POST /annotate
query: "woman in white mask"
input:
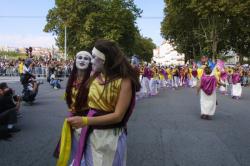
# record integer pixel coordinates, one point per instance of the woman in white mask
(111, 99)
(76, 99)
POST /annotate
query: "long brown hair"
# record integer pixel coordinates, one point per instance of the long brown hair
(116, 64)
(82, 94)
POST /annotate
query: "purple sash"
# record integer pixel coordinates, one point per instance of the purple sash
(223, 76)
(236, 78)
(82, 141)
(208, 84)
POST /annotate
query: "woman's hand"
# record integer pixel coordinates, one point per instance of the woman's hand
(76, 122)
(72, 110)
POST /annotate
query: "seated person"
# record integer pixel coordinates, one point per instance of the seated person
(55, 82)
(10, 105)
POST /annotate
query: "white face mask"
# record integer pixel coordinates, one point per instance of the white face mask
(97, 64)
(83, 59)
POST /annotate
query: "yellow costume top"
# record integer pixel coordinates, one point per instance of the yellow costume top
(20, 68)
(217, 73)
(169, 73)
(174, 71)
(190, 72)
(104, 97)
(199, 73)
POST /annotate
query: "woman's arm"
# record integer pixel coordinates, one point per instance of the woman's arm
(122, 105)
(198, 87)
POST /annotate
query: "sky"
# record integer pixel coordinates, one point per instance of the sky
(21, 31)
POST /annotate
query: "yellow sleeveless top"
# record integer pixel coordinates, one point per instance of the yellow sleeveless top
(104, 99)
(199, 73)
(20, 68)
(169, 73)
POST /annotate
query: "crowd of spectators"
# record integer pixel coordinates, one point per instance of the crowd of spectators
(9, 102)
(42, 68)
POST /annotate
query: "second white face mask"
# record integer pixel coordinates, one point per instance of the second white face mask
(97, 64)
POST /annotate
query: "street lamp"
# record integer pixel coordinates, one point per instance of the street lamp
(65, 43)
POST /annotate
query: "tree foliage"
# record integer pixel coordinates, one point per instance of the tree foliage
(144, 48)
(89, 20)
(213, 25)
(11, 54)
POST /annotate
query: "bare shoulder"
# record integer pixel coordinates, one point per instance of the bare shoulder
(126, 83)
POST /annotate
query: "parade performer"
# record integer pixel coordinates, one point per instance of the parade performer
(207, 89)
(224, 82)
(145, 82)
(236, 87)
(170, 77)
(186, 76)
(194, 74)
(221, 75)
(76, 99)
(135, 65)
(154, 80)
(204, 61)
(175, 80)
(182, 76)
(163, 77)
(141, 72)
(111, 99)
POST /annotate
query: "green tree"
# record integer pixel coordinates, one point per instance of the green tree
(11, 54)
(89, 20)
(178, 25)
(213, 25)
(239, 29)
(144, 48)
(213, 20)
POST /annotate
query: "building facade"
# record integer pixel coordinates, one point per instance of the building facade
(166, 55)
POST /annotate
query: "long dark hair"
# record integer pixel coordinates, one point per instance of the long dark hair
(116, 64)
(82, 95)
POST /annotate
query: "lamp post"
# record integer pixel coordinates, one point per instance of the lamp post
(65, 43)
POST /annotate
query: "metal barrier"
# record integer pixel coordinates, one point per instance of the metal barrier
(9, 71)
(38, 71)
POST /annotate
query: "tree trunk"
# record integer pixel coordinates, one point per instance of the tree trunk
(214, 44)
(241, 56)
(193, 52)
(214, 50)
(186, 58)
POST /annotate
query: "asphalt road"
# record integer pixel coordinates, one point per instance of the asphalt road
(164, 130)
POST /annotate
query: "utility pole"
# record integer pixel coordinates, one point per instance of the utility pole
(65, 42)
